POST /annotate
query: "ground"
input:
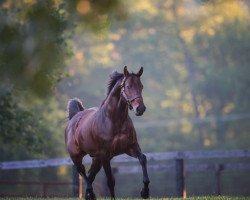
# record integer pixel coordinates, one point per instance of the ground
(189, 198)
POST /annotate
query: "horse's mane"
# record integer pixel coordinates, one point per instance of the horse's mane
(113, 78)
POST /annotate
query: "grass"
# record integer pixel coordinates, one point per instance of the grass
(188, 198)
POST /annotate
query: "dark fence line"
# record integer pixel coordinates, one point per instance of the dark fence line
(188, 167)
(159, 156)
(180, 167)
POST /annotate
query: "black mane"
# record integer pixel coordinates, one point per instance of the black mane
(113, 78)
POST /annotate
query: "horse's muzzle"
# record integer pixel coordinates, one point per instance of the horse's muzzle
(140, 110)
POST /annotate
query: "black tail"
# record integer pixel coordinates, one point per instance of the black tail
(74, 106)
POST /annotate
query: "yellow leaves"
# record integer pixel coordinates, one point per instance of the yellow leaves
(181, 11)
(56, 2)
(29, 2)
(174, 99)
(187, 34)
(173, 93)
(169, 16)
(166, 103)
(233, 9)
(186, 127)
(208, 30)
(187, 107)
(83, 7)
(79, 56)
(207, 142)
(217, 14)
(218, 19)
(7, 4)
(146, 6)
(114, 36)
(228, 108)
(102, 54)
(209, 16)
(110, 46)
(211, 24)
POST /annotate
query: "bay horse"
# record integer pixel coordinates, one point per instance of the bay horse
(107, 131)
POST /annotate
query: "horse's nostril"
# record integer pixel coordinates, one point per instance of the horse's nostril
(137, 109)
(140, 109)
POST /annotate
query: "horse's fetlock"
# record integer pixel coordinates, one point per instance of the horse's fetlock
(146, 182)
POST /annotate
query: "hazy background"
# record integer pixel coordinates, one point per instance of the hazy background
(195, 54)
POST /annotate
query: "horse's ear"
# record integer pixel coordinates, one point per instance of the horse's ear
(125, 71)
(139, 73)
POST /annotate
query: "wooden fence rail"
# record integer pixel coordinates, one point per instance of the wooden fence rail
(179, 166)
(160, 156)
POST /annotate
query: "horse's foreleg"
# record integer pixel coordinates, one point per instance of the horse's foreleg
(77, 160)
(136, 153)
(110, 177)
(145, 190)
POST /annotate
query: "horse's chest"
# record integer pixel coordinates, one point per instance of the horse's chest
(121, 143)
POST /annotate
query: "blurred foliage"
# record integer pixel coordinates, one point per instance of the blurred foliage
(34, 47)
(195, 55)
(20, 131)
(196, 71)
(33, 38)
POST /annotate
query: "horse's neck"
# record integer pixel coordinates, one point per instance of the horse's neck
(115, 106)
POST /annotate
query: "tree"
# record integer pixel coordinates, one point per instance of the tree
(33, 38)
(177, 50)
(34, 48)
(19, 128)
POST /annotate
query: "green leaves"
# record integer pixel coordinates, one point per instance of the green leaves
(32, 48)
(20, 131)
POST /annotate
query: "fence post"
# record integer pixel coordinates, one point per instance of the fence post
(45, 190)
(180, 176)
(219, 168)
(77, 183)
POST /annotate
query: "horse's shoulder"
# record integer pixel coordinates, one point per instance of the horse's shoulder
(128, 125)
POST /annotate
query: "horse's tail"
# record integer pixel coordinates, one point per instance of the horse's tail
(74, 106)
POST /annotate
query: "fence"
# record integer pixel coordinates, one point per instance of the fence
(180, 166)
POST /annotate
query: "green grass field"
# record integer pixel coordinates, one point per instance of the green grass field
(189, 198)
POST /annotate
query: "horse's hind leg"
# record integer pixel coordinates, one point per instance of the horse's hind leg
(94, 169)
(77, 160)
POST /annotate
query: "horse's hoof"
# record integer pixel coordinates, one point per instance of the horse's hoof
(89, 195)
(145, 193)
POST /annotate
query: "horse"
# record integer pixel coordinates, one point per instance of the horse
(107, 131)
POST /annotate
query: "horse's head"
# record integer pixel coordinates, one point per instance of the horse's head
(131, 90)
